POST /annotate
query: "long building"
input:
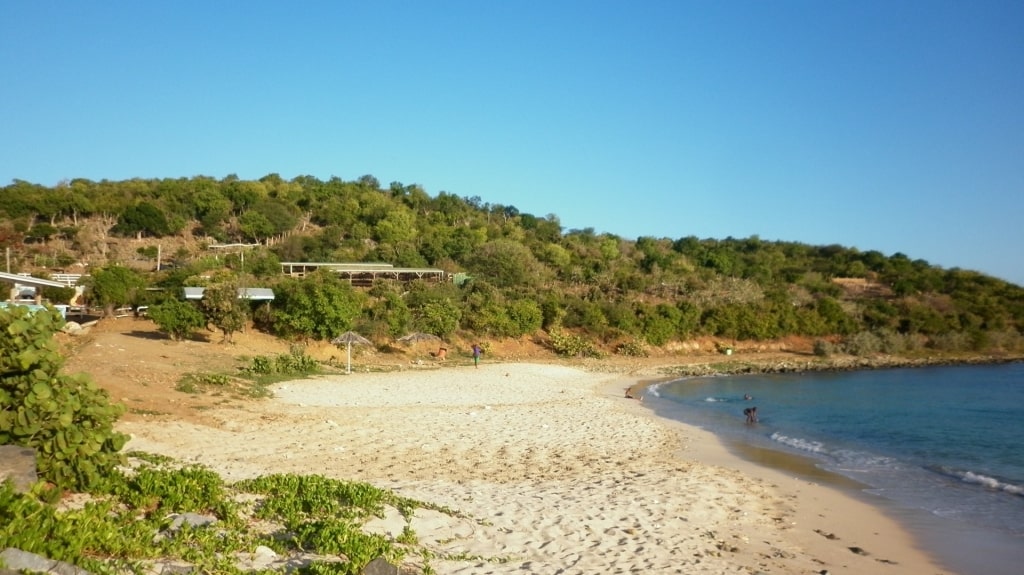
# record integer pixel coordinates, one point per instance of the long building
(364, 274)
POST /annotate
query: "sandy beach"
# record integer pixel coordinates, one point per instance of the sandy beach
(562, 473)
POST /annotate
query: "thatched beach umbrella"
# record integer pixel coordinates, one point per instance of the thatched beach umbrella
(348, 338)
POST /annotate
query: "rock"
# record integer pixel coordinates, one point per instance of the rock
(19, 560)
(262, 558)
(72, 327)
(192, 519)
(379, 566)
(18, 464)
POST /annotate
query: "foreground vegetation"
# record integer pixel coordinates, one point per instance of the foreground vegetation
(156, 512)
(513, 273)
(136, 507)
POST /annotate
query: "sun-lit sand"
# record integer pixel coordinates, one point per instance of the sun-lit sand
(556, 470)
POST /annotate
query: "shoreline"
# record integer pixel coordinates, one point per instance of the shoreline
(737, 365)
(949, 543)
(561, 472)
(831, 506)
(734, 365)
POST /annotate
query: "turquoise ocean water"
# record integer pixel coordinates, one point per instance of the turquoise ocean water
(940, 448)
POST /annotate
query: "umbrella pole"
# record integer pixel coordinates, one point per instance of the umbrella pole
(349, 370)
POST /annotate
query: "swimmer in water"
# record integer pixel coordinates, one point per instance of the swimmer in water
(751, 413)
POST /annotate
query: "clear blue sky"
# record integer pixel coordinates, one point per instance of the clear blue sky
(892, 125)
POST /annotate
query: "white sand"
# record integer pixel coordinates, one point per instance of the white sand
(563, 474)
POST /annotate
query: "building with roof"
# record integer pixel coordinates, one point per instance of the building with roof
(363, 274)
(248, 293)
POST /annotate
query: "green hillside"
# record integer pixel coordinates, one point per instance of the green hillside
(508, 273)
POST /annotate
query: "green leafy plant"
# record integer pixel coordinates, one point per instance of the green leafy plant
(320, 306)
(114, 286)
(633, 348)
(296, 497)
(823, 348)
(295, 362)
(161, 491)
(341, 536)
(126, 521)
(67, 418)
(571, 345)
(180, 319)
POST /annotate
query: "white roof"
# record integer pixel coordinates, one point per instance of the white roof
(243, 293)
(30, 281)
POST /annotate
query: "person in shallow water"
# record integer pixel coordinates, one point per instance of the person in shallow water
(751, 413)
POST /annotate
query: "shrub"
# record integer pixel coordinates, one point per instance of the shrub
(67, 419)
(862, 344)
(526, 315)
(296, 362)
(320, 306)
(179, 319)
(571, 345)
(951, 341)
(823, 348)
(632, 348)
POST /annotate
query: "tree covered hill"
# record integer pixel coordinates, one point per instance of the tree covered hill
(586, 290)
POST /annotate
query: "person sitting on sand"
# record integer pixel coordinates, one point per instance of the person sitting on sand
(631, 395)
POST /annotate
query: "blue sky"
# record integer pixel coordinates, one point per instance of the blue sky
(895, 126)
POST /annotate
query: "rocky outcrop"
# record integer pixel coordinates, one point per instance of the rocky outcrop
(738, 366)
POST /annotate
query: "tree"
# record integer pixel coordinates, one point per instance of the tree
(180, 319)
(396, 227)
(507, 264)
(222, 307)
(143, 218)
(255, 226)
(115, 286)
(392, 312)
(440, 318)
(281, 214)
(320, 306)
(66, 418)
(526, 316)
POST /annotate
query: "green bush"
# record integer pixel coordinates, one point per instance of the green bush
(320, 306)
(571, 345)
(180, 319)
(862, 344)
(296, 362)
(632, 348)
(66, 418)
(823, 348)
(192, 489)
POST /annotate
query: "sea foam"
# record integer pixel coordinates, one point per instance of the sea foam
(989, 482)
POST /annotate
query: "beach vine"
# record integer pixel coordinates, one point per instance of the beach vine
(159, 512)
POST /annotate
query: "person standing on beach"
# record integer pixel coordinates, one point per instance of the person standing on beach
(477, 352)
